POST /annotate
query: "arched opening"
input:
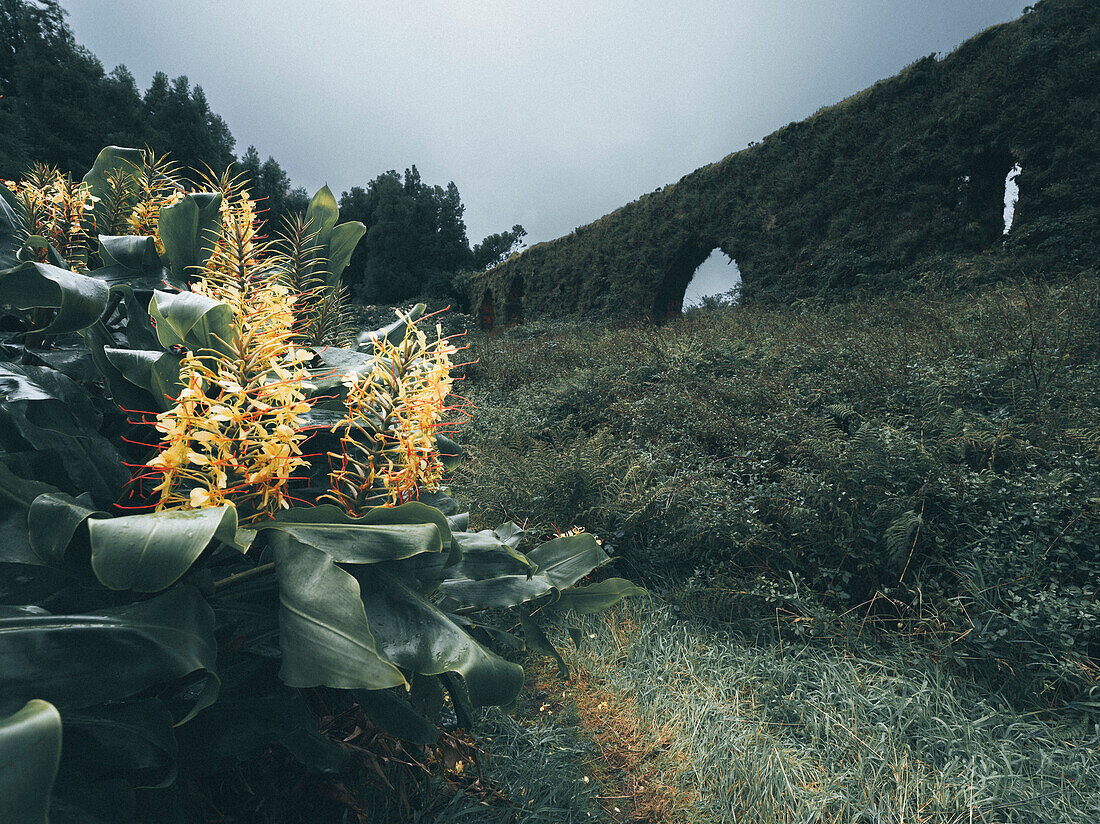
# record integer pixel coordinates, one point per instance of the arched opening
(716, 279)
(513, 307)
(487, 314)
(983, 195)
(1012, 195)
(669, 300)
(720, 276)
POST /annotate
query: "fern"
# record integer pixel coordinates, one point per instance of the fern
(900, 537)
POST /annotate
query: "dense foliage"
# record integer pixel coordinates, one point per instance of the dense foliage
(869, 193)
(213, 517)
(925, 465)
(59, 107)
(416, 240)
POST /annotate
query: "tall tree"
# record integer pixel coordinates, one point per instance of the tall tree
(270, 185)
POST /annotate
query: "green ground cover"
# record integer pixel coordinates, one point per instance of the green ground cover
(872, 529)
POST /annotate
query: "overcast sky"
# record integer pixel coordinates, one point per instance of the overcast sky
(549, 114)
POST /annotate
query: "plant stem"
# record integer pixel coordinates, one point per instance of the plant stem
(243, 576)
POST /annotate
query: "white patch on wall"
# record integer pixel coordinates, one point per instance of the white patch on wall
(1012, 194)
(716, 275)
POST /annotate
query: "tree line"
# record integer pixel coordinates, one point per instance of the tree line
(59, 106)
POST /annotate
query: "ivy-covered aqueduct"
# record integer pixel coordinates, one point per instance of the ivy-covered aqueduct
(867, 193)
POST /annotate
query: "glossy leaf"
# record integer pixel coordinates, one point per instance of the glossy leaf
(135, 252)
(189, 230)
(450, 453)
(16, 496)
(484, 555)
(51, 428)
(417, 636)
(98, 338)
(155, 371)
(53, 519)
(537, 641)
(76, 661)
(150, 552)
(80, 300)
(110, 159)
(194, 321)
(596, 597)
(30, 750)
(323, 628)
(560, 564)
(363, 543)
(322, 214)
(342, 243)
(397, 330)
(327, 378)
(564, 561)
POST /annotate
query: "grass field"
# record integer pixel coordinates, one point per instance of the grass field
(871, 532)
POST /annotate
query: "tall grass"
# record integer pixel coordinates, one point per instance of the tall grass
(779, 729)
(926, 461)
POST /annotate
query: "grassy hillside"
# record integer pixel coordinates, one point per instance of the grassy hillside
(867, 194)
(872, 535)
(928, 462)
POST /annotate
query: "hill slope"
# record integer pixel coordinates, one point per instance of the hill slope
(868, 192)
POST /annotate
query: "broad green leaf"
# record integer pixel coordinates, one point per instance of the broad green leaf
(342, 243)
(98, 339)
(194, 321)
(136, 252)
(484, 555)
(510, 534)
(155, 371)
(80, 300)
(323, 628)
(363, 543)
(149, 552)
(71, 361)
(322, 214)
(16, 496)
(564, 561)
(110, 159)
(52, 520)
(500, 592)
(417, 636)
(336, 363)
(397, 330)
(51, 427)
(596, 597)
(536, 640)
(560, 564)
(76, 661)
(189, 230)
(397, 716)
(30, 751)
(413, 512)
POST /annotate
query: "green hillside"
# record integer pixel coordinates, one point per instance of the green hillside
(903, 178)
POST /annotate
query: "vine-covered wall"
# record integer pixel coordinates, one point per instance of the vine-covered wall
(864, 194)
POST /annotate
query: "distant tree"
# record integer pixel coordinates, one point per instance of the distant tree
(495, 248)
(57, 105)
(416, 238)
(51, 89)
(270, 185)
(184, 127)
